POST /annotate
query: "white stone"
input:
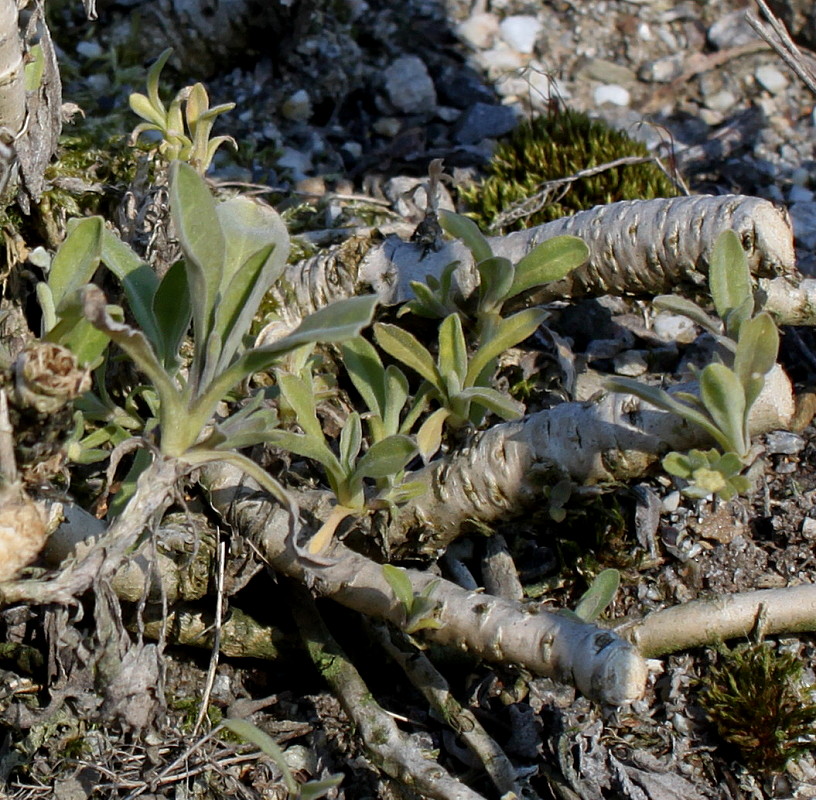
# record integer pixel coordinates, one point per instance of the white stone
(611, 93)
(90, 49)
(409, 86)
(771, 79)
(478, 31)
(499, 60)
(669, 327)
(803, 219)
(298, 107)
(520, 32)
(630, 363)
(299, 164)
(721, 101)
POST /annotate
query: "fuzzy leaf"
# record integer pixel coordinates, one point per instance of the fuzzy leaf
(425, 302)
(500, 404)
(508, 333)
(386, 458)
(677, 464)
(202, 240)
(405, 347)
(495, 279)
(351, 440)
(599, 595)
(299, 393)
(308, 447)
(549, 261)
(396, 393)
(468, 231)
(429, 435)
(137, 278)
(172, 312)
(690, 309)
(757, 349)
(724, 399)
(400, 584)
(365, 369)
(729, 277)
(142, 107)
(77, 259)
(452, 357)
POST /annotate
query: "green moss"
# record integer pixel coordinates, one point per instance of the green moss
(557, 146)
(755, 698)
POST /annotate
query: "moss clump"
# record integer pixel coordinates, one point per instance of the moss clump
(553, 147)
(756, 700)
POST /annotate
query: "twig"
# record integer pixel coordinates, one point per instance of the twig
(422, 673)
(216, 643)
(779, 39)
(391, 749)
(789, 610)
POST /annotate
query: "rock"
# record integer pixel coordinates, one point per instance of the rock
(771, 79)
(784, 443)
(598, 69)
(671, 327)
(479, 30)
(483, 121)
(299, 164)
(662, 70)
(803, 219)
(409, 86)
(298, 107)
(731, 30)
(799, 194)
(612, 93)
(631, 363)
(520, 32)
(721, 101)
(499, 60)
(460, 87)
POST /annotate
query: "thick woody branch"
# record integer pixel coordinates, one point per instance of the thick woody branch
(715, 619)
(599, 664)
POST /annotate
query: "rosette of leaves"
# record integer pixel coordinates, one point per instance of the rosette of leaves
(554, 147)
(459, 382)
(499, 279)
(233, 252)
(185, 125)
(726, 393)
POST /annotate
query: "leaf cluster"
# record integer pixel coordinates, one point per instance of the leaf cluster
(420, 608)
(726, 392)
(185, 125)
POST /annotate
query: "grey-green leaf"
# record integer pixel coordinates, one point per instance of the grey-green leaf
(599, 595)
(172, 311)
(405, 347)
(729, 277)
(757, 348)
(549, 261)
(386, 457)
(400, 584)
(495, 279)
(500, 404)
(77, 259)
(452, 357)
(724, 399)
(468, 231)
(365, 369)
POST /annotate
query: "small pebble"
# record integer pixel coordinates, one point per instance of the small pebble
(612, 93)
(799, 194)
(809, 528)
(90, 49)
(409, 86)
(721, 101)
(632, 363)
(483, 121)
(520, 32)
(803, 219)
(671, 502)
(784, 443)
(771, 79)
(298, 107)
(674, 328)
(479, 31)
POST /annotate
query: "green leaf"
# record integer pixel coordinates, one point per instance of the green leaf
(351, 440)
(400, 584)
(77, 259)
(396, 394)
(757, 351)
(299, 393)
(677, 464)
(314, 790)
(549, 261)
(508, 333)
(405, 347)
(46, 300)
(365, 369)
(138, 280)
(386, 458)
(724, 399)
(425, 302)
(172, 312)
(468, 231)
(599, 595)
(142, 107)
(690, 309)
(729, 277)
(193, 213)
(429, 435)
(265, 743)
(495, 279)
(153, 75)
(452, 357)
(332, 324)
(735, 318)
(308, 447)
(500, 404)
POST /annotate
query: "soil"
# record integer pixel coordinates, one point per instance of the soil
(71, 734)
